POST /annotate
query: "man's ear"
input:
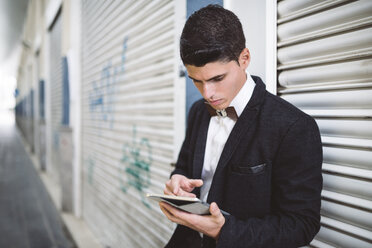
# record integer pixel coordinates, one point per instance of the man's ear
(244, 58)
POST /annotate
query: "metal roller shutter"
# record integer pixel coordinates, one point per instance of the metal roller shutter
(128, 118)
(324, 68)
(56, 93)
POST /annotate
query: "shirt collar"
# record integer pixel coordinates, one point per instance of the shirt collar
(244, 95)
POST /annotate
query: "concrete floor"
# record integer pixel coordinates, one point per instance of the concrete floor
(28, 217)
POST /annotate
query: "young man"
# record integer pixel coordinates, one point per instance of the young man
(246, 151)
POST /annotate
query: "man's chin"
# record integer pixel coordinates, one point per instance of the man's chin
(218, 106)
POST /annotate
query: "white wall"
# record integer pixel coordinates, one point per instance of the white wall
(73, 56)
(258, 18)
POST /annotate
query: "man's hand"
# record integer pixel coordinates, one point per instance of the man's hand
(181, 186)
(210, 225)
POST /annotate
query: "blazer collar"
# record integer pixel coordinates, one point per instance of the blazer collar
(243, 124)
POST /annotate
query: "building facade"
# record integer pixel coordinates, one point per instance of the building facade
(102, 100)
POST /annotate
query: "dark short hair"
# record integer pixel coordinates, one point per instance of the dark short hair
(211, 34)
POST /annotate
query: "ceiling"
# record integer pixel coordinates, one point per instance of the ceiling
(12, 16)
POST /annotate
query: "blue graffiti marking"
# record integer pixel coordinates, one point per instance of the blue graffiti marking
(137, 159)
(90, 163)
(123, 54)
(98, 101)
(56, 139)
(102, 95)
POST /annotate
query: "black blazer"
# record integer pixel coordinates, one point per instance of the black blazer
(268, 176)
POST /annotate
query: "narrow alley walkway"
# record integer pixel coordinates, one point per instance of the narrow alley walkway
(28, 217)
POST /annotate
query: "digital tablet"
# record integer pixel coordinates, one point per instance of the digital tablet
(188, 204)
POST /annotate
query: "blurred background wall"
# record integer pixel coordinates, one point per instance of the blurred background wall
(102, 100)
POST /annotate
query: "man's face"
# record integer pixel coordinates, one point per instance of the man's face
(219, 82)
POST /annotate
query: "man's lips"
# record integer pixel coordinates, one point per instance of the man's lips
(215, 102)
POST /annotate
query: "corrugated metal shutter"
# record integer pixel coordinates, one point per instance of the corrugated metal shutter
(56, 93)
(324, 68)
(128, 118)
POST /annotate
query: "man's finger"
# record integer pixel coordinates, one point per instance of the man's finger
(214, 209)
(171, 213)
(164, 209)
(167, 192)
(185, 193)
(174, 188)
(196, 182)
(166, 213)
(175, 185)
(169, 188)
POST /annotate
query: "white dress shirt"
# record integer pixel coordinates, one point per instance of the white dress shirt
(218, 132)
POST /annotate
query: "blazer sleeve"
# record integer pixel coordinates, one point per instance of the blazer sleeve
(182, 165)
(296, 186)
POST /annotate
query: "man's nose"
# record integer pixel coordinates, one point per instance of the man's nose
(208, 90)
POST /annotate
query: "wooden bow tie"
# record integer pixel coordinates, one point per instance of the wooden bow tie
(229, 112)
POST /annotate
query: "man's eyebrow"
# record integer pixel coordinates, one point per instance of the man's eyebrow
(210, 79)
(193, 79)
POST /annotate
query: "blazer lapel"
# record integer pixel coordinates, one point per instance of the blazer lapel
(200, 145)
(242, 126)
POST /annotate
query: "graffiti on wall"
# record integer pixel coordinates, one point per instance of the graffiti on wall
(90, 164)
(135, 165)
(55, 139)
(102, 95)
(102, 99)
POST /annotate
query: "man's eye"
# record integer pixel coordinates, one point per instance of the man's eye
(218, 79)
